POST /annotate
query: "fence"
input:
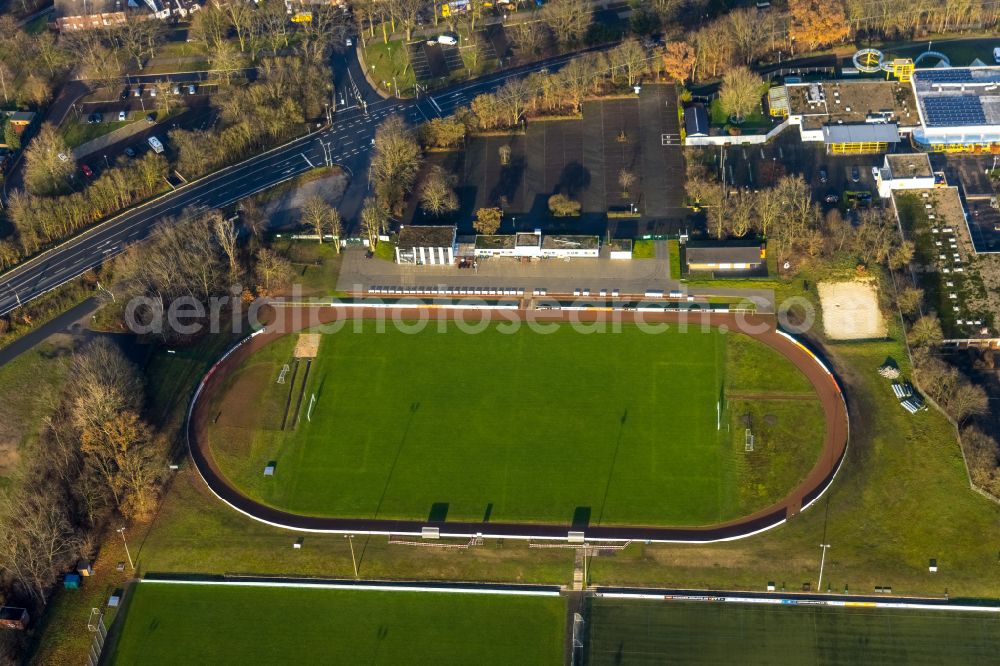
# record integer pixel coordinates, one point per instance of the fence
(97, 644)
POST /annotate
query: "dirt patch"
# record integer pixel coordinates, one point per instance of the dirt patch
(307, 345)
(9, 458)
(850, 311)
(285, 210)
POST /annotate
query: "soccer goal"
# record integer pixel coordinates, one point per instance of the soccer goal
(281, 375)
(748, 440)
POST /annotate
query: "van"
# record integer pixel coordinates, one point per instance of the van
(155, 144)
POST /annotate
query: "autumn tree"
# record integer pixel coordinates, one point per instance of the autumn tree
(740, 93)
(926, 331)
(909, 300)
(678, 61)
(437, 194)
(442, 132)
(561, 205)
(487, 221)
(815, 23)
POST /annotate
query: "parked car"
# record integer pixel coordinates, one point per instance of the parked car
(855, 174)
(150, 118)
(191, 89)
(448, 39)
(130, 152)
(86, 171)
(155, 144)
(349, 42)
(823, 175)
(831, 198)
(124, 94)
(176, 90)
(152, 91)
(63, 157)
(137, 91)
(122, 116)
(94, 118)
(996, 55)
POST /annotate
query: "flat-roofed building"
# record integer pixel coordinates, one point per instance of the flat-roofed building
(959, 109)
(852, 116)
(905, 171)
(723, 257)
(430, 245)
(566, 247)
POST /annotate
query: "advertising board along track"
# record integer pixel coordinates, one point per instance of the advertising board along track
(762, 328)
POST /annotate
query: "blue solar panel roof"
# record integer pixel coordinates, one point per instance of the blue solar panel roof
(950, 75)
(953, 111)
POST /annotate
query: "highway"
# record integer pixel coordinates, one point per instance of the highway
(347, 142)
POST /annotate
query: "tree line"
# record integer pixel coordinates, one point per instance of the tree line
(42, 220)
(97, 458)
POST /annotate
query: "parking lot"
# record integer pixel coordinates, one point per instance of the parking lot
(582, 159)
(757, 167)
(432, 61)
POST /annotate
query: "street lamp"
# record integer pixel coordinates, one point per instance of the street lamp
(121, 530)
(822, 561)
(354, 561)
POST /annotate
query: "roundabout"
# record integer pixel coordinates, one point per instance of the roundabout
(667, 458)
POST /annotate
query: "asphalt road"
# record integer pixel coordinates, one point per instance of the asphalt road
(346, 142)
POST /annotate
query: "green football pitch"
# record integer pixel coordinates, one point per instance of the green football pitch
(216, 624)
(658, 632)
(613, 428)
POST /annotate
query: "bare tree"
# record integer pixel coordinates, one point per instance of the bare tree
(437, 195)
(47, 162)
(273, 271)
(227, 235)
(395, 162)
(317, 214)
(626, 179)
(373, 219)
(568, 19)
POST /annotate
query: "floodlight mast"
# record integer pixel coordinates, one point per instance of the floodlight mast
(121, 530)
(822, 561)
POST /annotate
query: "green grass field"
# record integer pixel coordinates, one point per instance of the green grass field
(655, 632)
(618, 428)
(199, 624)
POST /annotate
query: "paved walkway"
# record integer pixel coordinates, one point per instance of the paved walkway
(66, 322)
(111, 138)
